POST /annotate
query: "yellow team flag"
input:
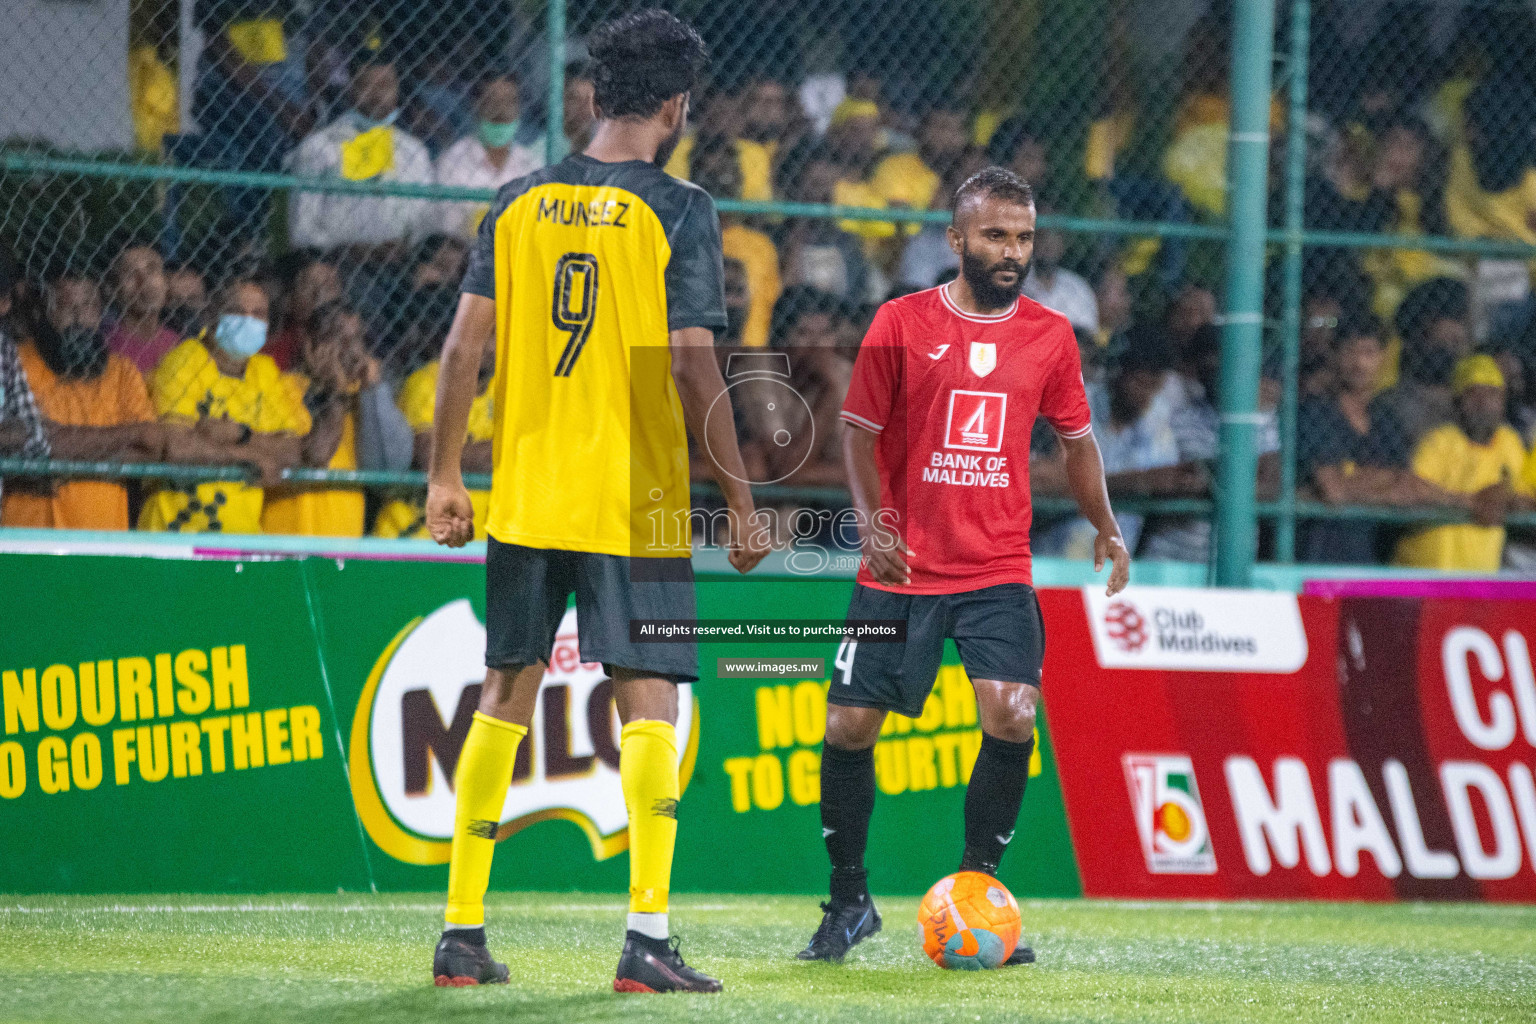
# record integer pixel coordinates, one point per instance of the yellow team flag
(259, 41)
(369, 155)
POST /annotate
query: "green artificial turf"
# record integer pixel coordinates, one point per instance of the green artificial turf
(366, 960)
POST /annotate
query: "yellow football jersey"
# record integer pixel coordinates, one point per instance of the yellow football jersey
(187, 387)
(591, 265)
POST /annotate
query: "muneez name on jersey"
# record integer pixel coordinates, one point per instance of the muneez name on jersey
(599, 213)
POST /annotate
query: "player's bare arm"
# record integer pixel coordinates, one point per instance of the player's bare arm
(882, 544)
(450, 516)
(1085, 476)
(699, 386)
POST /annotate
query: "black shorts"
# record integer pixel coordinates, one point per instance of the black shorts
(527, 590)
(999, 630)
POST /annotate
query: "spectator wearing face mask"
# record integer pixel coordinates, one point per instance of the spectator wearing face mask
(139, 292)
(363, 144)
(96, 407)
(239, 410)
(489, 158)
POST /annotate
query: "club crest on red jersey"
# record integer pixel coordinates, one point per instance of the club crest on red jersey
(983, 357)
(976, 420)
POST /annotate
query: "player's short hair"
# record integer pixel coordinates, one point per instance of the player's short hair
(641, 60)
(992, 183)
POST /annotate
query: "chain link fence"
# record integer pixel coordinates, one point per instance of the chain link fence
(319, 167)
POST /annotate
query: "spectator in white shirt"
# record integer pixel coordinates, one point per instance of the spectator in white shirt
(487, 159)
(362, 144)
(1057, 288)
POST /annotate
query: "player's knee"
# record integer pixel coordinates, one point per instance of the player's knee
(497, 693)
(1016, 725)
(853, 728)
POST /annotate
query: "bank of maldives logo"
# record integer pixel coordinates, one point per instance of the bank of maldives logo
(976, 420)
(1169, 816)
(415, 711)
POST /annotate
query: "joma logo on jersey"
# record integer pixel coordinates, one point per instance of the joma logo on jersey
(599, 213)
(976, 420)
(1169, 816)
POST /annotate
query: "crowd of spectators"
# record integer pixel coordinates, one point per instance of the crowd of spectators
(1418, 371)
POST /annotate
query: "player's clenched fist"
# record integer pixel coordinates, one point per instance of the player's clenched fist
(749, 544)
(450, 515)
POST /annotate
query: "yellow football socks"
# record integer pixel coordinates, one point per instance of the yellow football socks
(648, 771)
(481, 782)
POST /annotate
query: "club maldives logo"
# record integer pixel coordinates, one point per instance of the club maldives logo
(1125, 626)
(414, 714)
(1196, 630)
(1169, 816)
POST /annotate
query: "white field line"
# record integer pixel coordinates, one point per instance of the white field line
(306, 908)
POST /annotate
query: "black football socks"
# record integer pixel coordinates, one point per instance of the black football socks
(847, 801)
(992, 801)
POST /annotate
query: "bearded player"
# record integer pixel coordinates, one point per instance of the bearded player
(600, 280)
(945, 392)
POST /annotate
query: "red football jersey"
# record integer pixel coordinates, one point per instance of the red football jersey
(954, 397)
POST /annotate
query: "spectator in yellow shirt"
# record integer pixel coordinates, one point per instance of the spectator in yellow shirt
(334, 369)
(418, 401)
(718, 126)
(243, 412)
(911, 179)
(769, 117)
(1491, 192)
(718, 174)
(853, 143)
(1196, 159)
(1477, 463)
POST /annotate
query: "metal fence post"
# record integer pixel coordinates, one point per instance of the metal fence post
(554, 141)
(1235, 535)
(1290, 324)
